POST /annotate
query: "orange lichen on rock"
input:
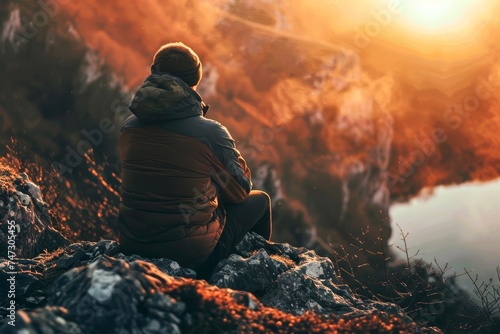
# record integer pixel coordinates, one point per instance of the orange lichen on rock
(227, 310)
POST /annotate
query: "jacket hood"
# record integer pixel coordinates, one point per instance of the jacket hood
(164, 97)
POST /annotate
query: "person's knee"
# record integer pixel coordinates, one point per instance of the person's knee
(263, 198)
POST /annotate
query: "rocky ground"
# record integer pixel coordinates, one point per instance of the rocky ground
(91, 287)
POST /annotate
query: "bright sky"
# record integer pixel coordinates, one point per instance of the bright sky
(441, 15)
(417, 16)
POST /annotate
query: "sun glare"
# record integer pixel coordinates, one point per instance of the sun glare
(439, 15)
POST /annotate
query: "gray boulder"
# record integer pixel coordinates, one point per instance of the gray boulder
(29, 227)
(114, 296)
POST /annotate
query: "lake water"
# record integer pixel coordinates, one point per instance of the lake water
(459, 225)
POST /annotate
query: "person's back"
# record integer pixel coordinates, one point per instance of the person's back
(181, 172)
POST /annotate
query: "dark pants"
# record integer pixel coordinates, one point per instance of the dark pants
(253, 214)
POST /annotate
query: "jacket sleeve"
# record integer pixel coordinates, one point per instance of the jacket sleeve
(231, 173)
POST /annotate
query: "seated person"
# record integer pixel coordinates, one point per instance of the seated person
(186, 190)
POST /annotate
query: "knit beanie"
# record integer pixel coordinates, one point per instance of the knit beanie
(178, 60)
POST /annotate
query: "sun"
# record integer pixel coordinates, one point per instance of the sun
(439, 15)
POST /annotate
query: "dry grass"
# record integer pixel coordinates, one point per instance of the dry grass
(83, 206)
(7, 177)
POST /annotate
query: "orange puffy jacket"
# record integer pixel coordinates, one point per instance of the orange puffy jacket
(178, 168)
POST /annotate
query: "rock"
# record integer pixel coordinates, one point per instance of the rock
(253, 242)
(289, 286)
(70, 260)
(25, 199)
(105, 291)
(32, 230)
(48, 320)
(25, 281)
(114, 296)
(315, 266)
(35, 275)
(84, 252)
(33, 189)
(167, 266)
(252, 274)
(247, 299)
(296, 293)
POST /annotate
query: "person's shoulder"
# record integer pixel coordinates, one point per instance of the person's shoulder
(214, 127)
(131, 122)
(210, 122)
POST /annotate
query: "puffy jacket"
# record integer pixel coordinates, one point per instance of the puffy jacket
(177, 169)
